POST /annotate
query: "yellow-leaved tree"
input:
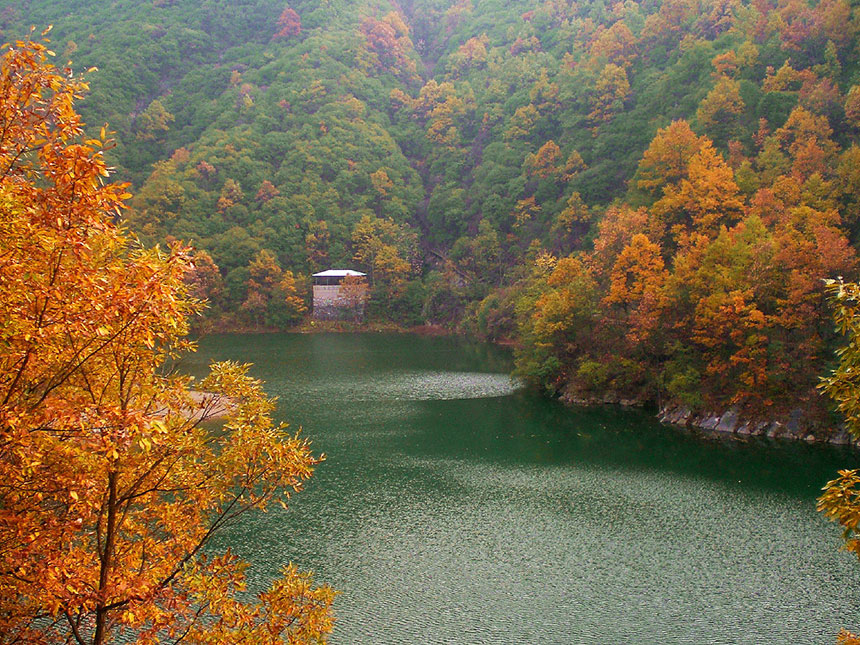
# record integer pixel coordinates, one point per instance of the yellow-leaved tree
(110, 488)
(840, 500)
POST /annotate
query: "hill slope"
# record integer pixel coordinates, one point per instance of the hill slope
(697, 161)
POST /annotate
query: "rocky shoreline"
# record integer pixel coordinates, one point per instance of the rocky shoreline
(730, 423)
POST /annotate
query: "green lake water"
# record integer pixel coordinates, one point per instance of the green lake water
(456, 507)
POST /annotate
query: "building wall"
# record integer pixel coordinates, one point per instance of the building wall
(325, 294)
(330, 305)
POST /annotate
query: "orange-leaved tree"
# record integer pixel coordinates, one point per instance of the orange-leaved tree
(110, 488)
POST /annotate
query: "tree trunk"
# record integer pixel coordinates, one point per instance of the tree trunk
(106, 562)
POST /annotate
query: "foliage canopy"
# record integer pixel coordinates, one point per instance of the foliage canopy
(110, 487)
(441, 146)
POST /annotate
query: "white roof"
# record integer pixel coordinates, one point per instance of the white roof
(337, 273)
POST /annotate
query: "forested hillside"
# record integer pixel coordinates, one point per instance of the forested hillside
(646, 196)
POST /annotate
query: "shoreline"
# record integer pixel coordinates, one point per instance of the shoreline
(334, 326)
(732, 425)
(729, 424)
(209, 406)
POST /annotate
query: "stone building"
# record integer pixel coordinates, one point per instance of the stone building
(339, 293)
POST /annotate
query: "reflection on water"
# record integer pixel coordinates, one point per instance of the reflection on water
(456, 507)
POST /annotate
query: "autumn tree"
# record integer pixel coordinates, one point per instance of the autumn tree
(558, 319)
(272, 297)
(525, 210)
(616, 45)
(852, 106)
(204, 278)
(842, 385)
(388, 45)
(382, 247)
(721, 110)
(610, 90)
(522, 122)
(615, 231)
(205, 283)
(840, 501)
(472, 53)
(543, 94)
(636, 287)
(667, 159)
(317, 242)
(267, 191)
(573, 166)
(231, 194)
(574, 218)
(751, 301)
(544, 163)
(704, 199)
(289, 24)
(352, 296)
(109, 487)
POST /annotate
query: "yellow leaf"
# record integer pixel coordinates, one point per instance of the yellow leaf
(74, 280)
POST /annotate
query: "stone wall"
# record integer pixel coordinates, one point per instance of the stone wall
(331, 304)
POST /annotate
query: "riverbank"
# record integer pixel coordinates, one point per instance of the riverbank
(208, 406)
(343, 326)
(730, 423)
(311, 326)
(203, 406)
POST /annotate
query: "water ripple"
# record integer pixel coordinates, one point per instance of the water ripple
(508, 519)
(417, 386)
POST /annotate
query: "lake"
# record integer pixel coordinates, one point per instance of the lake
(456, 507)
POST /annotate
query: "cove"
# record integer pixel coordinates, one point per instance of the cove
(456, 507)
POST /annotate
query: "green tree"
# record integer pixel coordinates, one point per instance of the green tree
(720, 111)
(153, 122)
